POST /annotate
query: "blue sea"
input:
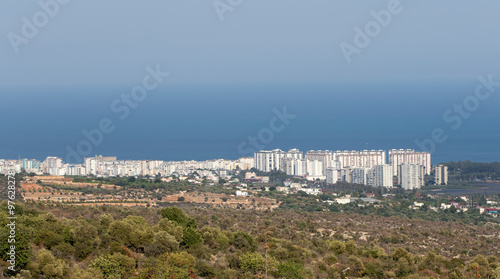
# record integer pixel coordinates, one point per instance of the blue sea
(201, 122)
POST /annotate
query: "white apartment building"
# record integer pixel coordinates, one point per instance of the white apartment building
(332, 175)
(411, 176)
(383, 176)
(76, 170)
(359, 176)
(31, 165)
(350, 175)
(441, 175)
(52, 165)
(292, 166)
(345, 175)
(294, 153)
(302, 167)
(398, 157)
(245, 163)
(324, 156)
(314, 169)
(360, 159)
(267, 161)
(90, 165)
(271, 160)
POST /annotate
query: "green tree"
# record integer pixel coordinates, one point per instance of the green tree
(357, 266)
(47, 266)
(290, 269)
(105, 221)
(178, 216)
(170, 265)
(244, 241)
(253, 262)
(214, 237)
(336, 246)
(171, 228)
(123, 232)
(191, 237)
(85, 238)
(113, 266)
(163, 242)
(89, 273)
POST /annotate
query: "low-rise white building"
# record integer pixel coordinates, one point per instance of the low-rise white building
(343, 200)
(311, 191)
(242, 193)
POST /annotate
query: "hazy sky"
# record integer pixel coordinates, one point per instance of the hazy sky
(92, 43)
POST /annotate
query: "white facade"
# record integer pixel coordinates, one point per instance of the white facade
(302, 167)
(359, 176)
(6, 165)
(344, 200)
(323, 156)
(360, 159)
(315, 168)
(31, 165)
(350, 175)
(268, 161)
(311, 191)
(441, 175)
(108, 166)
(244, 163)
(332, 175)
(411, 176)
(292, 166)
(241, 193)
(294, 153)
(398, 157)
(76, 170)
(52, 165)
(383, 176)
(345, 175)
(90, 165)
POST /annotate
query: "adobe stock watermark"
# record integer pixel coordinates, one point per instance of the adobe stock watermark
(121, 107)
(456, 115)
(277, 124)
(224, 6)
(30, 28)
(363, 37)
(11, 218)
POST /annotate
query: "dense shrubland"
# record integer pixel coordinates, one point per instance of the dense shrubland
(64, 241)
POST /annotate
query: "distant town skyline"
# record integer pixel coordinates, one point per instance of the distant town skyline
(369, 167)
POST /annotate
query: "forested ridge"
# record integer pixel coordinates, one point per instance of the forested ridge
(467, 170)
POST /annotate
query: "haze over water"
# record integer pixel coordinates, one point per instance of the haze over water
(209, 122)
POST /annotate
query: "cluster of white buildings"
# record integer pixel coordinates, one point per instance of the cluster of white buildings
(369, 167)
(109, 166)
(405, 167)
